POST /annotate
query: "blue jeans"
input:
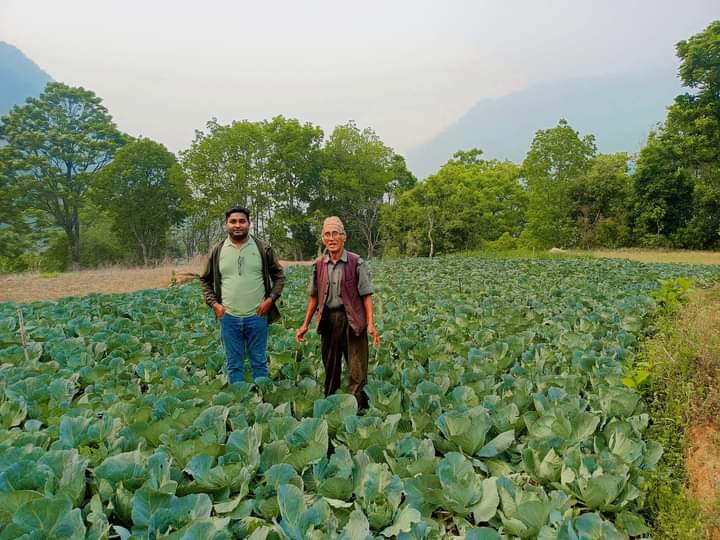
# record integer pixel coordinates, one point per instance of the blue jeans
(239, 334)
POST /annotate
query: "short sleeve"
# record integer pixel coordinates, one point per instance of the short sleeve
(365, 286)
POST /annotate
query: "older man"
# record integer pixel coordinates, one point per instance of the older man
(340, 292)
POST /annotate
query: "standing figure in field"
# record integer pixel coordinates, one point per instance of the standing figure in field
(241, 283)
(340, 291)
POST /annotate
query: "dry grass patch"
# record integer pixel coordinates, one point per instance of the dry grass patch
(657, 255)
(30, 287)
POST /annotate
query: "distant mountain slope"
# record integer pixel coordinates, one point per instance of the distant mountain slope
(20, 77)
(619, 110)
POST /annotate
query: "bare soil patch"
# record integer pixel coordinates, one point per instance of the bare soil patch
(703, 463)
(31, 287)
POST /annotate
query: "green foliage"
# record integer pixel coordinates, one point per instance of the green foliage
(359, 172)
(468, 202)
(14, 230)
(557, 158)
(602, 201)
(56, 144)
(506, 242)
(663, 190)
(676, 184)
(496, 407)
(272, 167)
(143, 192)
(673, 294)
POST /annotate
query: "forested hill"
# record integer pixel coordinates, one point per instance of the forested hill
(618, 110)
(20, 77)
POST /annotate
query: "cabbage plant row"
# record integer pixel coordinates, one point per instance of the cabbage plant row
(497, 410)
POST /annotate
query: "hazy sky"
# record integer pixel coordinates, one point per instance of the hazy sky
(405, 68)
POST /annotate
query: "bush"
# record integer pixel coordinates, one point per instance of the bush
(506, 242)
(99, 246)
(56, 257)
(654, 241)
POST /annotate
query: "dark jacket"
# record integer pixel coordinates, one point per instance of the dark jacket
(352, 302)
(273, 276)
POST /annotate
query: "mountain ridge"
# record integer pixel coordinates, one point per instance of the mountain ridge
(21, 77)
(620, 110)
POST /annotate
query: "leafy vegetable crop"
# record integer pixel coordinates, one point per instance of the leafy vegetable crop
(497, 410)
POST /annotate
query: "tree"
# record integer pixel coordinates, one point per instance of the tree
(143, 190)
(663, 191)
(468, 202)
(226, 166)
(294, 165)
(357, 176)
(602, 200)
(693, 130)
(677, 180)
(60, 140)
(402, 178)
(14, 230)
(558, 157)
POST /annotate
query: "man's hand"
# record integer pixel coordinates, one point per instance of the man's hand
(264, 307)
(219, 310)
(374, 334)
(300, 334)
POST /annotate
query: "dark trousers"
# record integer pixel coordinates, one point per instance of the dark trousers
(337, 340)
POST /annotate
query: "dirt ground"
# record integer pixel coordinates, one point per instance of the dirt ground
(26, 288)
(703, 463)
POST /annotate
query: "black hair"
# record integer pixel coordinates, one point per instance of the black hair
(235, 209)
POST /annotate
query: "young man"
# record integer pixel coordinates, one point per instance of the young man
(341, 293)
(241, 283)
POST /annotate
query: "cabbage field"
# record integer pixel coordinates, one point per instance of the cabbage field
(501, 406)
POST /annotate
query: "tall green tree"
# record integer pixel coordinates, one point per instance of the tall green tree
(60, 140)
(558, 157)
(143, 191)
(677, 182)
(294, 166)
(663, 191)
(227, 165)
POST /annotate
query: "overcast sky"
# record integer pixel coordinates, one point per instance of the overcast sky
(407, 68)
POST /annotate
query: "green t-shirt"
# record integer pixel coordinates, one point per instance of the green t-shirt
(242, 278)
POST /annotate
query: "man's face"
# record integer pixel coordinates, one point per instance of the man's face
(333, 238)
(237, 226)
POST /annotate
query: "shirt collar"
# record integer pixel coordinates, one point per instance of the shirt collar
(343, 257)
(230, 243)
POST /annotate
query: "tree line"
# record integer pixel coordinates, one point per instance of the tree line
(77, 191)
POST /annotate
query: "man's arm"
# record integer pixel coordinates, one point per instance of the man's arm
(372, 330)
(309, 312)
(277, 274)
(277, 278)
(207, 282)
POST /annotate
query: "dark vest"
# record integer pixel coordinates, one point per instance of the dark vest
(354, 310)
